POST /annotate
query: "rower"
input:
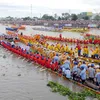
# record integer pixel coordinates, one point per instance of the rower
(79, 49)
(67, 73)
(60, 36)
(75, 70)
(97, 76)
(66, 48)
(85, 51)
(76, 52)
(62, 48)
(83, 74)
(96, 52)
(58, 46)
(66, 64)
(91, 73)
(56, 58)
(84, 65)
(12, 44)
(71, 52)
(21, 34)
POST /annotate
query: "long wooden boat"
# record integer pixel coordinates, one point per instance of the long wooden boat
(26, 39)
(12, 29)
(18, 52)
(72, 40)
(22, 27)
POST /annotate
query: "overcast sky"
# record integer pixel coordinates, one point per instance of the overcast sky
(22, 8)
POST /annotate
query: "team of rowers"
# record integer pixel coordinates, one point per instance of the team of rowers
(77, 51)
(74, 40)
(76, 69)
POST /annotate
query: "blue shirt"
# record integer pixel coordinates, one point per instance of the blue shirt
(83, 74)
(56, 59)
(75, 69)
(98, 77)
(66, 65)
(67, 61)
(67, 73)
(84, 65)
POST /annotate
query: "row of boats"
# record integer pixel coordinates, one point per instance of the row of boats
(27, 56)
(82, 30)
(28, 39)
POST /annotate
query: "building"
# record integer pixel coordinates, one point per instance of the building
(86, 14)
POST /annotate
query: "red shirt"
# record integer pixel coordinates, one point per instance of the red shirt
(47, 63)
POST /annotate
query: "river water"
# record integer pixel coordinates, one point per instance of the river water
(21, 80)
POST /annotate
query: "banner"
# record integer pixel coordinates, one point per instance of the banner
(92, 25)
(68, 25)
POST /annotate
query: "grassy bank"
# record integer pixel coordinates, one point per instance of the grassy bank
(56, 87)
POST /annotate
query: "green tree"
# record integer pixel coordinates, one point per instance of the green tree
(9, 18)
(65, 16)
(47, 17)
(74, 17)
(59, 18)
(26, 18)
(97, 17)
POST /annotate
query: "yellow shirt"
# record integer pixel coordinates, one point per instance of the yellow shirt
(62, 49)
(97, 50)
(51, 55)
(45, 45)
(71, 52)
(56, 49)
(83, 50)
(58, 46)
(52, 47)
(87, 51)
(97, 70)
(94, 52)
(76, 50)
(66, 49)
(48, 47)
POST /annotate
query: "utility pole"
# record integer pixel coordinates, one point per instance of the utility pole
(31, 11)
(69, 11)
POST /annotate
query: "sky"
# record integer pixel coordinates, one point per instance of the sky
(22, 8)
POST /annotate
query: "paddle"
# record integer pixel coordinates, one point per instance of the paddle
(43, 69)
(23, 59)
(31, 63)
(19, 57)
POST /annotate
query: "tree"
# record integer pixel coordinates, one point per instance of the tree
(9, 18)
(26, 18)
(97, 17)
(80, 16)
(74, 17)
(35, 18)
(59, 18)
(65, 16)
(47, 17)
